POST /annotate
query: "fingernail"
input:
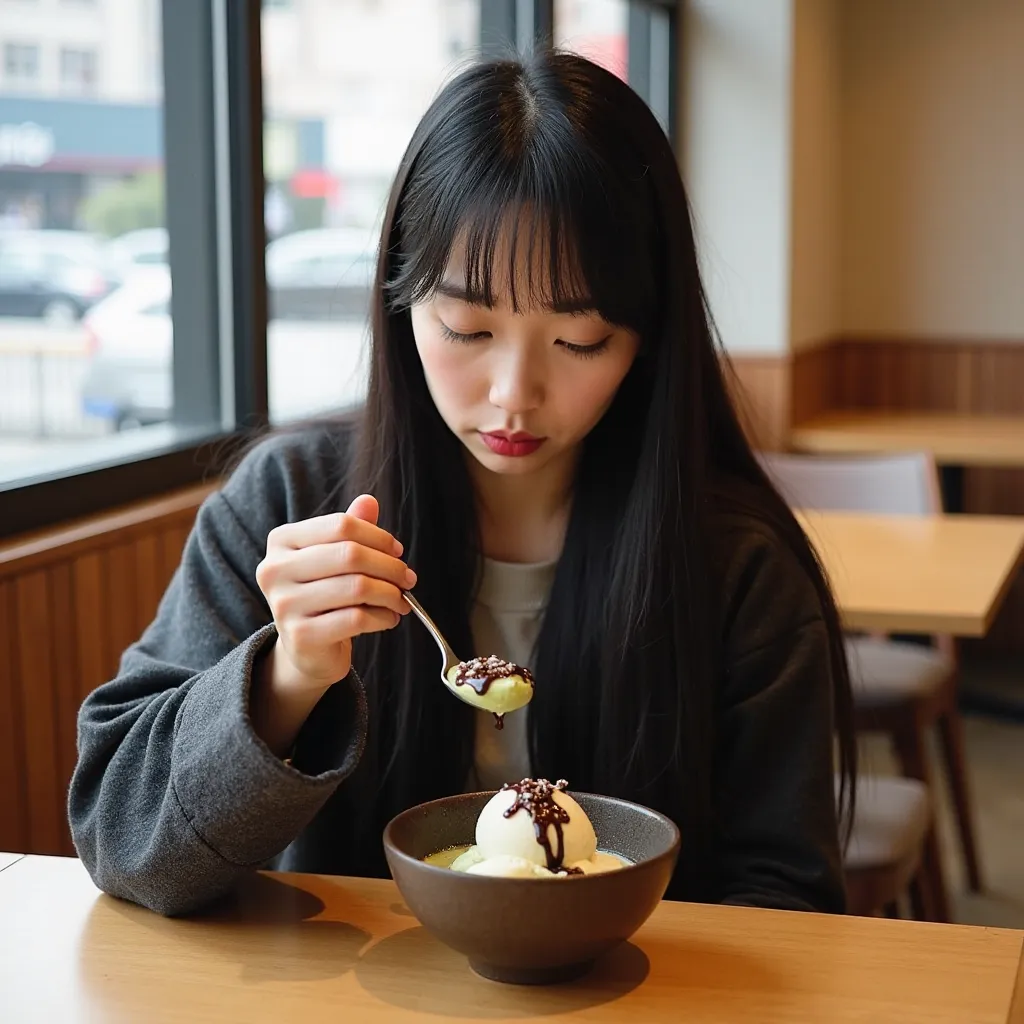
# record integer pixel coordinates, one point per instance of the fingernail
(410, 579)
(398, 549)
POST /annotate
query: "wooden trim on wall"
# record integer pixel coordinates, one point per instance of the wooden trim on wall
(760, 390)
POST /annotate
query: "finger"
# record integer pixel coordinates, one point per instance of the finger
(342, 624)
(323, 561)
(366, 508)
(336, 592)
(330, 529)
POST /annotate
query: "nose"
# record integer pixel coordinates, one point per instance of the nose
(517, 382)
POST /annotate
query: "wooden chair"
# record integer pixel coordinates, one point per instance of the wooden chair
(900, 688)
(883, 859)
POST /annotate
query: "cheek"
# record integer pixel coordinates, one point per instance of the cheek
(448, 367)
(586, 394)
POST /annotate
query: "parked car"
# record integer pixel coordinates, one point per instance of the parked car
(142, 248)
(129, 380)
(321, 274)
(55, 275)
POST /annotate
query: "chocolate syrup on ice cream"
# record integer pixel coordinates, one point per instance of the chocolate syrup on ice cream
(536, 797)
(479, 673)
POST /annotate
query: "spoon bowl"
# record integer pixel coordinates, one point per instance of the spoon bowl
(498, 696)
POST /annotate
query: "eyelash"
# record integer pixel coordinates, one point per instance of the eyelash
(582, 351)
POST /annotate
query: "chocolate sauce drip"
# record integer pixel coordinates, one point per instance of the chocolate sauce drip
(479, 673)
(499, 721)
(536, 797)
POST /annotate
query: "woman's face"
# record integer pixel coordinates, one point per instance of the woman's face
(520, 390)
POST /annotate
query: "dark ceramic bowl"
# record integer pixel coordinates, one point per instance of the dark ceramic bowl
(523, 930)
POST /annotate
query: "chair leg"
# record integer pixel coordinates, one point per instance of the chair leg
(919, 899)
(910, 748)
(951, 734)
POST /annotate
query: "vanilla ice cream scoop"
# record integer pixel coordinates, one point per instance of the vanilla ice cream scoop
(534, 829)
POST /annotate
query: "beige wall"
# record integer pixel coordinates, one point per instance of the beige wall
(735, 81)
(932, 229)
(814, 309)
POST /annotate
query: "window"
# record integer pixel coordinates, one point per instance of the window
(338, 118)
(598, 29)
(21, 64)
(81, 210)
(78, 72)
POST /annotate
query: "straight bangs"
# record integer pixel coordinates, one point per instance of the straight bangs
(543, 226)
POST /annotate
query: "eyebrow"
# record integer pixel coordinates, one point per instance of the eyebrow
(570, 306)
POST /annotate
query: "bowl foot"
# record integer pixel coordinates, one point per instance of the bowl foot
(531, 975)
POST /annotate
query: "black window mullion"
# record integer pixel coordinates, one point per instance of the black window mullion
(245, 357)
(515, 24)
(652, 57)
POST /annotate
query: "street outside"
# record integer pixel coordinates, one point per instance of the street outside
(313, 367)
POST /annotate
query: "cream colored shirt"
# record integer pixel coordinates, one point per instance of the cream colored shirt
(506, 620)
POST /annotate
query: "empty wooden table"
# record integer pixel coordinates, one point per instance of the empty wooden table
(317, 948)
(918, 574)
(953, 440)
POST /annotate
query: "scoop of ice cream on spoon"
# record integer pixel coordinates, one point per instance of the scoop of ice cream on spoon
(489, 683)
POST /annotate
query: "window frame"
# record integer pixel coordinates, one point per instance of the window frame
(213, 159)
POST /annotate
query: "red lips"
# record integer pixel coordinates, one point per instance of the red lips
(514, 444)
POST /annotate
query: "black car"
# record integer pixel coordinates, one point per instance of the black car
(53, 275)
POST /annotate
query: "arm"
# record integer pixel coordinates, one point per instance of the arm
(775, 776)
(175, 795)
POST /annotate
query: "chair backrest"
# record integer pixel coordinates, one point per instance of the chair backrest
(886, 484)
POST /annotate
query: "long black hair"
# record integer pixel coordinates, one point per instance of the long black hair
(628, 655)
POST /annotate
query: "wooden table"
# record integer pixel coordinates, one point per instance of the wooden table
(315, 948)
(918, 574)
(952, 440)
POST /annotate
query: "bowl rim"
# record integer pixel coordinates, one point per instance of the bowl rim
(392, 848)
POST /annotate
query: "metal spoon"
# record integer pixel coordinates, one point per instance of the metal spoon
(452, 661)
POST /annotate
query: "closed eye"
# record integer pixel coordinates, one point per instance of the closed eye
(456, 336)
(586, 351)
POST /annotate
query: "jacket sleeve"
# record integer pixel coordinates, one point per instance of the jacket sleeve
(174, 796)
(775, 776)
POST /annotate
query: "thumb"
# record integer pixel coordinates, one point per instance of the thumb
(365, 507)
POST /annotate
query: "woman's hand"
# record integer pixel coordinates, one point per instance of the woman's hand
(326, 580)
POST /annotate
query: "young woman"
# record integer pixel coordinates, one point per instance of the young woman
(548, 454)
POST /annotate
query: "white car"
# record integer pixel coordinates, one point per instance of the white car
(312, 367)
(129, 335)
(145, 247)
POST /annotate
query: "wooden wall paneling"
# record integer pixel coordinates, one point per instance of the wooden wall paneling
(14, 835)
(999, 379)
(172, 543)
(65, 679)
(92, 646)
(149, 582)
(759, 386)
(814, 384)
(120, 613)
(35, 678)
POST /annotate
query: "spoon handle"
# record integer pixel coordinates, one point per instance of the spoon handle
(451, 659)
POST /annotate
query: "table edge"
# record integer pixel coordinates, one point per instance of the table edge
(18, 858)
